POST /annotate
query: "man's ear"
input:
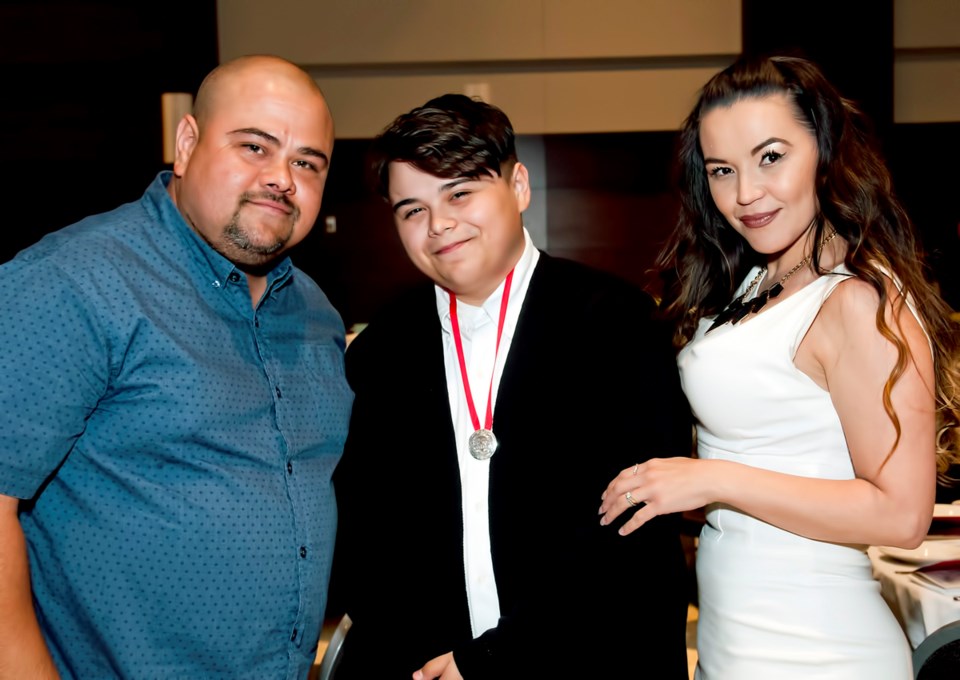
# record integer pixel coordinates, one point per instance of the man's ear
(520, 183)
(188, 135)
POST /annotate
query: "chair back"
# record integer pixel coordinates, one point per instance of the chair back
(938, 656)
(331, 657)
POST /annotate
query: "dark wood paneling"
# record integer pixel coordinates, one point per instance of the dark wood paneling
(619, 232)
(610, 200)
(362, 264)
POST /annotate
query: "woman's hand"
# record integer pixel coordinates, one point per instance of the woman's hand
(657, 487)
(442, 667)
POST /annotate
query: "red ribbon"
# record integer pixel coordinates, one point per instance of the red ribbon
(488, 421)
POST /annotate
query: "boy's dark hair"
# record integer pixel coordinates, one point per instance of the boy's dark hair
(450, 136)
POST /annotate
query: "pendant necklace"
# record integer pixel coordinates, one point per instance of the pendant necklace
(482, 443)
(738, 309)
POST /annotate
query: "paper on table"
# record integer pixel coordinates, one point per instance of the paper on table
(941, 574)
(929, 552)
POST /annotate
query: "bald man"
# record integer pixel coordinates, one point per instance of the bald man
(173, 404)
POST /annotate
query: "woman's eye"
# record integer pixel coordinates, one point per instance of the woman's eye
(770, 157)
(410, 213)
(719, 171)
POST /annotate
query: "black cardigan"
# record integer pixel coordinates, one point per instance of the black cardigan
(590, 387)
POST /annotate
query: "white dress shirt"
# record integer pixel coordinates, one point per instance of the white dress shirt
(478, 330)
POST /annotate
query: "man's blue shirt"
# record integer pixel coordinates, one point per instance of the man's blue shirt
(176, 446)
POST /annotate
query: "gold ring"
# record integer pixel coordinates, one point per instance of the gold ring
(631, 500)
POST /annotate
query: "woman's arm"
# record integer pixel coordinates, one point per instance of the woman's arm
(890, 502)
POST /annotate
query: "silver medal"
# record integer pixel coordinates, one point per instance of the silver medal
(482, 444)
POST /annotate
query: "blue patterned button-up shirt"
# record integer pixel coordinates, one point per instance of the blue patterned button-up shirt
(176, 445)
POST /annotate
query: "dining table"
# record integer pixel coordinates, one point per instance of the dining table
(922, 585)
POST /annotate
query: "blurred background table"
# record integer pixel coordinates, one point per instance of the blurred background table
(920, 607)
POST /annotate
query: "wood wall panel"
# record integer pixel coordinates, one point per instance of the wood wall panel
(611, 200)
(619, 232)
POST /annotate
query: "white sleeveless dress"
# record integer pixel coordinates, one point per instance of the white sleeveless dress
(774, 605)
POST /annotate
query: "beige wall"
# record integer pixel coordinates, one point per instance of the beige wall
(557, 66)
(926, 70)
(554, 65)
(350, 32)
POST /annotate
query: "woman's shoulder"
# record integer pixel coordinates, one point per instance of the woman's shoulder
(852, 305)
(851, 294)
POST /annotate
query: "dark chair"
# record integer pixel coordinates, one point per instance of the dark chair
(938, 656)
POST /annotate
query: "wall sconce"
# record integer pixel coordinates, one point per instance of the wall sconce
(175, 105)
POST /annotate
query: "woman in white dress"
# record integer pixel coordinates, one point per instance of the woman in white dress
(825, 392)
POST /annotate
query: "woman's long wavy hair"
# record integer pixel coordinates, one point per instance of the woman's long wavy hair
(706, 259)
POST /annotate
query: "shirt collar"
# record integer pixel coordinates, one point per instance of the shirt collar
(214, 268)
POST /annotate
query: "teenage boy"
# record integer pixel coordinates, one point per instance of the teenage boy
(492, 408)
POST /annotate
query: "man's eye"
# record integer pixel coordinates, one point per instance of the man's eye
(411, 213)
(256, 148)
(306, 165)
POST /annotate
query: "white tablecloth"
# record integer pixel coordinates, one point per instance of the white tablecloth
(921, 608)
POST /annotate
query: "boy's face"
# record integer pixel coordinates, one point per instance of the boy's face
(465, 234)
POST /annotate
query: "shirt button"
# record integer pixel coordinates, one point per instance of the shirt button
(293, 638)
(234, 277)
(278, 393)
(303, 551)
(289, 468)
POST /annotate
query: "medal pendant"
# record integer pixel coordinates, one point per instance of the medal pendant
(482, 444)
